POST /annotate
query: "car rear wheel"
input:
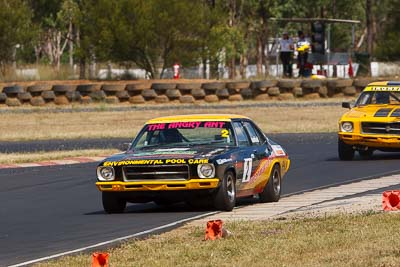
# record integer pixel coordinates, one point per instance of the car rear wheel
(225, 197)
(272, 190)
(346, 152)
(112, 203)
(366, 154)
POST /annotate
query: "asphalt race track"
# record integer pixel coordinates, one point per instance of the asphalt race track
(49, 210)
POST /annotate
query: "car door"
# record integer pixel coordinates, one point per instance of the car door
(244, 159)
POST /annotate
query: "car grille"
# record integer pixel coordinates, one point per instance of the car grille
(156, 172)
(381, 128)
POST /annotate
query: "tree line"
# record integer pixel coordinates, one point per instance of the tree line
(154, 34)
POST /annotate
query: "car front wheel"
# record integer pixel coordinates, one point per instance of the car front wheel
(346, 152)
(272, 190)
(225, 197)
(112, 203)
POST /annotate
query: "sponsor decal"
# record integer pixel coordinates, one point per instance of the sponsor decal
(173, 149)
(154, 162)
(186, 125)
(165, 152)
(209, 154)
(247, 165)
(222, 161)
(278, 150)
(384, 89)
(261, 169)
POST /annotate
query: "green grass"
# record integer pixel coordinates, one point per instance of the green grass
(369, 239)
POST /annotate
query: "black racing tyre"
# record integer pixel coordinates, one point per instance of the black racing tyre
(213, 86)
(272, 190)
(361, 83)
(113, 87)
(188, 86)
(198, 93)
(289, 83)
(15, 89)
(137, 87)
(163, 86)
(339, 83)
(346, 152)
(149, 94)
(63, 88)
(39, 88)
(112, 203)
(3, 97)
(225, 197)
(366, 154)
(48, 95)
(273, 91)
(237, 85)
(222, 93)
(122, 95)
(186, 99)
(161, 99)
(311, 84)
(263, 84)
(87, 88)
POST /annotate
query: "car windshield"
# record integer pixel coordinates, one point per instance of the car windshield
(216, 133)
(378, 98)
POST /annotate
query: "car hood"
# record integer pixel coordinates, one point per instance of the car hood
(162, 153)
(374, 111)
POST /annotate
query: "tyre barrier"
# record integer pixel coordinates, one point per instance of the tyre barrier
(3, 98)
(391, 200)
(185, 92)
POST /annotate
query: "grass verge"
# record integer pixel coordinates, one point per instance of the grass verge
(367, 239)
(12, 158)
(102, 124)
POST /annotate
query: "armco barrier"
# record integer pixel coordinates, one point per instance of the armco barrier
(187, 91)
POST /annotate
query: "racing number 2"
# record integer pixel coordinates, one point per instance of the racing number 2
(247, 165)
(225, 133)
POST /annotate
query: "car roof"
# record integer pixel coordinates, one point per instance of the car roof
(374, 86)
(196, 117)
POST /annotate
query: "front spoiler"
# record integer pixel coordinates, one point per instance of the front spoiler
(373, 141)
(158, 185)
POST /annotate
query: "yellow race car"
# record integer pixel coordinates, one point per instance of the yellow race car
(373, 123)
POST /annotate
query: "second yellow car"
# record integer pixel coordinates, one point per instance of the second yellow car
(373, 123)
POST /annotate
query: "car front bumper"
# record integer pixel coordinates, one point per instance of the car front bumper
(371, 140)
(192, 184)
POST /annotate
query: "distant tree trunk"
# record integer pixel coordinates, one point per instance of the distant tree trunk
(259, 56)
(71, 45)
(370, 31)
(243, 65)
(82, 60)
(204, 61)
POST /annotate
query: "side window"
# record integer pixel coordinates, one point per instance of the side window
(242, 138)
(254, 137)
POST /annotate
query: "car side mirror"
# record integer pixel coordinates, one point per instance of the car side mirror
(346, 105)
(124, 146)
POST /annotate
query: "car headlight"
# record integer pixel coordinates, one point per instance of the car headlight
(206, 170)
(347, 126)
(105, 173)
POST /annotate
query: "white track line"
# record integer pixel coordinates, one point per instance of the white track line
(113, 240)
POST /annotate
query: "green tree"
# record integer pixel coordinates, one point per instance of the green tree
(15, 29)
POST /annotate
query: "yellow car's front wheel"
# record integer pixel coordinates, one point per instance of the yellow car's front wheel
(346, 152)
